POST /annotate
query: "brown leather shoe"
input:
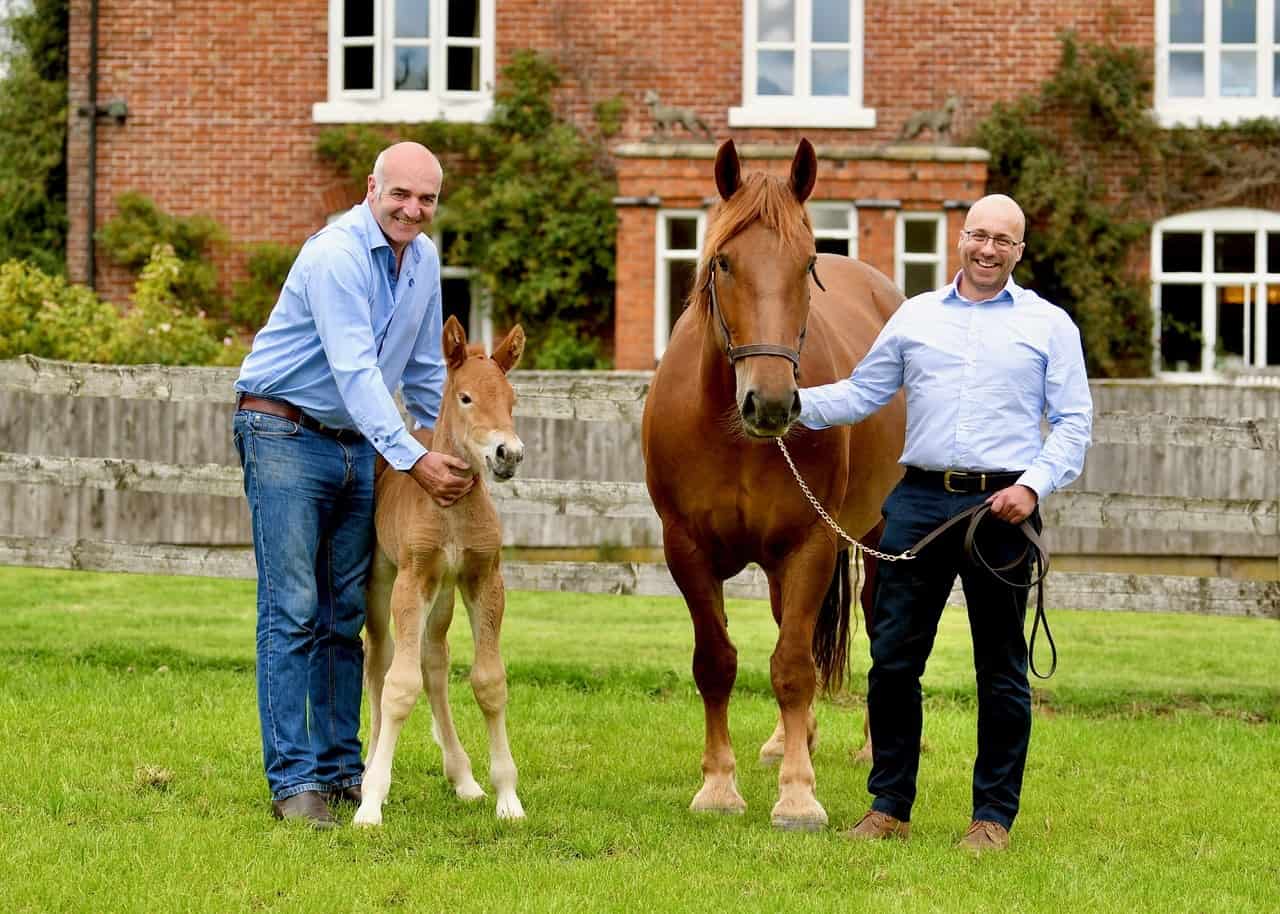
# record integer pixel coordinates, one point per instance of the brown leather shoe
(350, 795)
(876, 825)
(984, 835)
(308, 806)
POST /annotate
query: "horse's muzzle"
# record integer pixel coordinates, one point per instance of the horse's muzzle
(505, 460)
(769, 418)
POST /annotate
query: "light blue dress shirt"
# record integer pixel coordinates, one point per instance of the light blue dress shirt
(347, 331)
(979, 376)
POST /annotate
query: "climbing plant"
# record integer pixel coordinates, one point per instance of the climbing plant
(1059, 150)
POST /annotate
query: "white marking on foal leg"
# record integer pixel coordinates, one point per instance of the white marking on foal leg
(489, 684)
(435, 666)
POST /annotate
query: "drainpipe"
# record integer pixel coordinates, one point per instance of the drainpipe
(92, 208)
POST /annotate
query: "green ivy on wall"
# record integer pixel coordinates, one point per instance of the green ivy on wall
(1093, 170)
(526, 204)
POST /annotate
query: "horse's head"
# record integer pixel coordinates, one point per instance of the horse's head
(480, 400)
(754, 279)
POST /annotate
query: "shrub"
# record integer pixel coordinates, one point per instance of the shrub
(255, 296)
(44, 315)
(560, 348)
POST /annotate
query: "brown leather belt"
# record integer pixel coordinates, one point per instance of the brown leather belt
(966, 481)
(286, 410)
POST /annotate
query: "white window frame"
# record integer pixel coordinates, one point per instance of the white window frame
(901, 257)
(802, 109)
(1214, 108)
(384, 105)
(663, 256)
(1209, 223)
(850, 231)
(480, 321)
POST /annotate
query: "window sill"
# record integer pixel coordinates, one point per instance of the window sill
(1214, 112)
(802, 112)
(402, 111)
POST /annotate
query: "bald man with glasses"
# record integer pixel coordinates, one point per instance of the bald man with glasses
(982, 361)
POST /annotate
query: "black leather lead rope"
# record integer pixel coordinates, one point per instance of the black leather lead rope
(1034, 543)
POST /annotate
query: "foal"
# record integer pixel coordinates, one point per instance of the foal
(423, 552)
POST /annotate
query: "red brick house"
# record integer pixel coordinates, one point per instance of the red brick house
(224, 101)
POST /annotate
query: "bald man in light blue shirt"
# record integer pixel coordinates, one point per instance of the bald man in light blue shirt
(982, 361)
(359, 316)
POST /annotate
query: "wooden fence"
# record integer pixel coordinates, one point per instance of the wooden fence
(1253, 523)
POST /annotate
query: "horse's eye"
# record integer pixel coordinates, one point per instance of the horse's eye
(465, 399)
(722, 262)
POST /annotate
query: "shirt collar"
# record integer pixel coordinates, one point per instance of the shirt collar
(1007, 295)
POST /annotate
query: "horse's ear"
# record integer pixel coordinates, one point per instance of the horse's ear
(454, 341)
(804, 170)
(728, 170)
(508, 353)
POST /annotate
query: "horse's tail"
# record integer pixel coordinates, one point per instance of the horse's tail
(831, 634)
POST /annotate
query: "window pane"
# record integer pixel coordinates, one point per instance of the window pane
(1273, 252)
(411, 69)
(464, 19)
(1186, 21)
(832, 246)
(1239, 21)
(1275, 64)
(411, 19)
(1232, 316)
(1186, 74)
(917, 278)
(357, 68)
(776, 73)
(1181, 329)
(463, 65)
(1233, 252)
(919, 237)
(831, 20)
(682, 234)
(1182, 252)
(829, 218)
(679, 282)
(777, 20)
(1273, 325)
(456, 295)
(357, 18)
(1239, 74)
(830, 73)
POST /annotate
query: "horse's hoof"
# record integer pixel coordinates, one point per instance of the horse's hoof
(799, 823)
(469, 791)
(367, 818)
(728, 803)
(769, 756)
(862, 756)
(509, 808)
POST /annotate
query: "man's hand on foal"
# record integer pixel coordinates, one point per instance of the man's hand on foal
(1013, 504)
(441, 476)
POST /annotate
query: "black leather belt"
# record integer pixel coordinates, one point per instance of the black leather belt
(969, 482)
(285, 410)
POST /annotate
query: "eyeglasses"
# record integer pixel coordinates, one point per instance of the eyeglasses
(980, 238)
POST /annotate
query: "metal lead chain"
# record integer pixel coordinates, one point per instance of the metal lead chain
(822, 512)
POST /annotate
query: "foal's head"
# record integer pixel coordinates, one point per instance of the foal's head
(480, 400)
(754, 279)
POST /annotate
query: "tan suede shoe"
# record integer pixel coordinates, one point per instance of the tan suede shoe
(985, 836)
(876, 825)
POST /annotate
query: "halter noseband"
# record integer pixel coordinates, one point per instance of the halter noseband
(741, 352)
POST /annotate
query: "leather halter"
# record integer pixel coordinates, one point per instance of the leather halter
(741, 352)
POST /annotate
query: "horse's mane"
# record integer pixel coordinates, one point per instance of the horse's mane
(762, 198)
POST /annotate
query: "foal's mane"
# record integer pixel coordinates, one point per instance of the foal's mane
(762, 198)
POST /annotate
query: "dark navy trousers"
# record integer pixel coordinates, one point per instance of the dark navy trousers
(909, 599)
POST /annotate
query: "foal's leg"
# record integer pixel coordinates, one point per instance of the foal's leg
(715, 667)
(801, 583)
(400, 690)
(378, 645)
(486, 602)
(435, 669)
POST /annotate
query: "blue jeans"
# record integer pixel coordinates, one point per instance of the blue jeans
(909, 599)
(311, 502)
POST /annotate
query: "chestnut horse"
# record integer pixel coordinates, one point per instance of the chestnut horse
(758, 325)
(423, 552)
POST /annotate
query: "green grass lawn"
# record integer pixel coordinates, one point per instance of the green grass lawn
(1151, 785)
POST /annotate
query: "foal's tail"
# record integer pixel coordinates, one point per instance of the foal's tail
(831, 635)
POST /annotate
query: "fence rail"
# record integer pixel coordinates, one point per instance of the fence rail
(619, 397)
